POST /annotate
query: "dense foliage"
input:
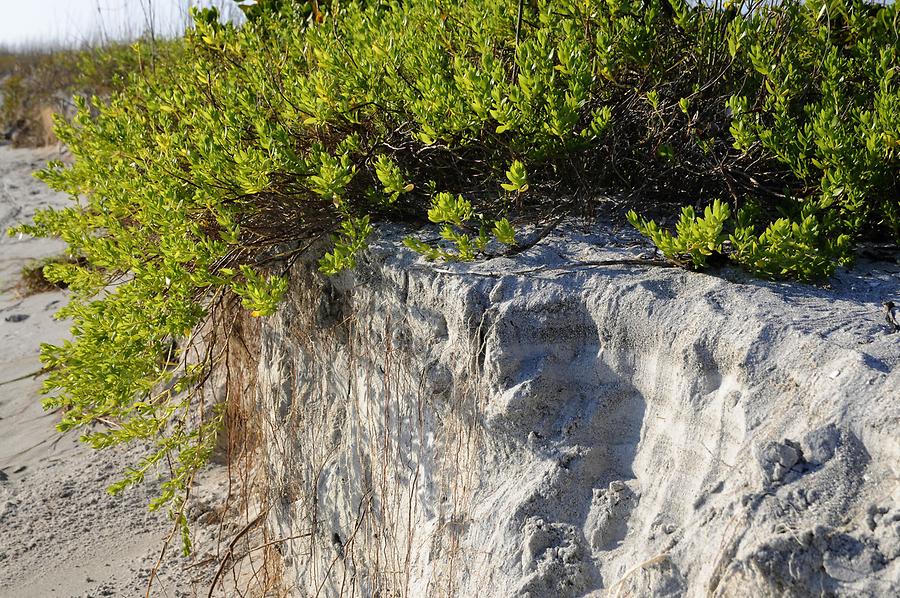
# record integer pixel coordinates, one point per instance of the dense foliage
(206, 175)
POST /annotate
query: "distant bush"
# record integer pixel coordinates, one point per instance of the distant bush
(319, 120)
(32, 81)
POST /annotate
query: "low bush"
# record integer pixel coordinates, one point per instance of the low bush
(206, 175)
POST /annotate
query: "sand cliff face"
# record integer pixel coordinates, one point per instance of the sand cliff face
(539, 427)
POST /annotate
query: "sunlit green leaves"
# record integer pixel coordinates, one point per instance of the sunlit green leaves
(260, 295)
(332, 176)
(350, 240)
(391, 178)
(445, 208)
(696, 237)
(458, 223)
(504, 232)
(807, 247)
(828, 104)
(518, 178)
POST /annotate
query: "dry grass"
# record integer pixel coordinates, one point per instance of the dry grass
(33, 281)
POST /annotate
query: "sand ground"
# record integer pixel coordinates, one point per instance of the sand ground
(61, 534)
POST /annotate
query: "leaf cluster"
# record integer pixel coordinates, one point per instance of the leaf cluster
(696, 238)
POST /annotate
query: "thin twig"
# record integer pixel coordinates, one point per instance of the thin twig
(278, 541)
(518, 30)
(549, 228)
(229, 554)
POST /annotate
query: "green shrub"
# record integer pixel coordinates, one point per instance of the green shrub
(321, 120)
(821, 96)
(806, 248)
(828, 108)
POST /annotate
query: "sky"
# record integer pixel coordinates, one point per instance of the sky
(71, 22)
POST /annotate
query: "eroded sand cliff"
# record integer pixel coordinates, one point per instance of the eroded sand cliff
(555, 425)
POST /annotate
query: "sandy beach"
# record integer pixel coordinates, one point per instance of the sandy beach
(61, 534)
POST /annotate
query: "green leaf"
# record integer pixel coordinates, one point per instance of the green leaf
(503, 232)
(518, 178)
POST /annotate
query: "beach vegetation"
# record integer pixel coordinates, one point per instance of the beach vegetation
(772, 127)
